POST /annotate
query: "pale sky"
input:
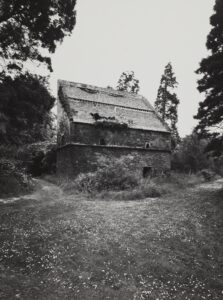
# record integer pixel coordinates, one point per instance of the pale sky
(139, 35)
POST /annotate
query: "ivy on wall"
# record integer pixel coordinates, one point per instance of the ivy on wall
(108, 122)
(63, 134)
(64, 102)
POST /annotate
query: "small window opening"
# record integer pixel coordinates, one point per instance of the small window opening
(147, 145)
(102, 142)
(147, 171)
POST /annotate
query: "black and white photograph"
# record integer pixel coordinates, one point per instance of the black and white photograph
(111, 149)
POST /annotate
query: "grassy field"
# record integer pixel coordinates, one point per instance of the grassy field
(54, 246)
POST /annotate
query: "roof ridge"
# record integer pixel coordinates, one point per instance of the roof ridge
(113, 104)
(100, 89)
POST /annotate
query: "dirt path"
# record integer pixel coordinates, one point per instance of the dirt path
(43, 189)
(49, 190)
(214, 185)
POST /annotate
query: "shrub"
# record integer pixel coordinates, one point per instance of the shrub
(17, 164)
(110, 175)
(105, 179)
(207, 174)
(177, 181)
(140, 189)
(218, 165)
(145, 190)
(39, 158)
(116, 179)
(190, 156)
(13, 179)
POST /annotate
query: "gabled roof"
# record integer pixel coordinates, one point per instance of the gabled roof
(125, 107)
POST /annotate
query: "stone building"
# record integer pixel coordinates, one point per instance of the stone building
(96, 122)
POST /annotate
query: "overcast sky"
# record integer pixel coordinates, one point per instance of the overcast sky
(140, 35)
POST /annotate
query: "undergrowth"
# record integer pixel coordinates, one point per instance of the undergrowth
(18, 164)
(113, 180)
(13, 178)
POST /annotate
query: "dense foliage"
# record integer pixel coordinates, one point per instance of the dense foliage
(27, 27)
(127, 82)
(39, 158)
(13, 178)
(25, 109)
(210, 112)
(29, 32)
(111, 174)
(167, 102)
(190, 155)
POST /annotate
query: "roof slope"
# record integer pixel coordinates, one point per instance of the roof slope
(84, 100)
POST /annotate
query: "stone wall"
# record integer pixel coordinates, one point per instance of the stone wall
(90, 134)
(75, 159)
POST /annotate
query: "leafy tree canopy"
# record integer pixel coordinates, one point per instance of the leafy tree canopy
(190, 155)
(127, 82)
(27, 27)
(210, 112)
(167, 102)
(25, 109)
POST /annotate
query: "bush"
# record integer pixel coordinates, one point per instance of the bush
(140, 189)
(218, 165)
(145, 190)
(110, 175)
(177, 181)
(13, 179)
(190, 155)
(17, 164)
(39, 158)
(207, 174)
(114, 180)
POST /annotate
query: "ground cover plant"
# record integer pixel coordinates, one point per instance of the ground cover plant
(59, 246)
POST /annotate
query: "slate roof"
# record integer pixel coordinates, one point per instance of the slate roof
(125, 107)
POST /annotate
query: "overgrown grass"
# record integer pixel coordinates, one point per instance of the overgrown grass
(117, 179)
(138, 189)
(142, 191)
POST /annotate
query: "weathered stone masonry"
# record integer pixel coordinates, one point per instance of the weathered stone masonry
(90, 134)
(82, 140)
(75, 159)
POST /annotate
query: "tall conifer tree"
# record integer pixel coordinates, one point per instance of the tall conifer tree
(167, 102)
(210, 112)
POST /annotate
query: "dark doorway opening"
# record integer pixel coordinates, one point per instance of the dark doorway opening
(102, 142)
(147, 145)
(147, 171)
